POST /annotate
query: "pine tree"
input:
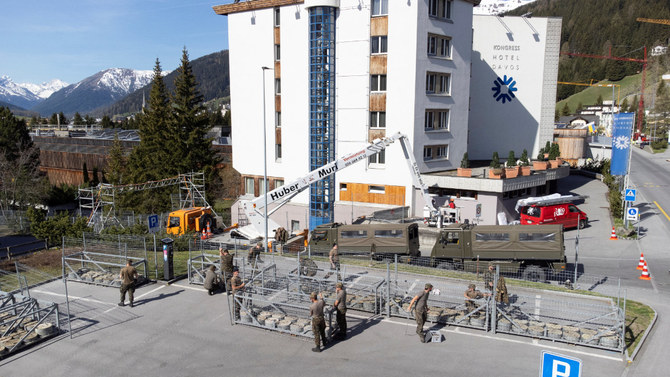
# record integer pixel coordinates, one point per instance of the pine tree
(191, 120)
(106, 122)
(566, 109)
(116, 163)
(84, 172)
(156, 155)
(78, 120)
(94, 179)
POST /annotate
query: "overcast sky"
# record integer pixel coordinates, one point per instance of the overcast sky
(73, 39)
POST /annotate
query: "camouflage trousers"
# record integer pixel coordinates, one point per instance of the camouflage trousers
(420, 316)
(319, 330)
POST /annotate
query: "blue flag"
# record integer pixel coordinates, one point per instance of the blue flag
(621, 132)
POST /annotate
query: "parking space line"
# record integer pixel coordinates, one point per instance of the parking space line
(189, 287)
(72, 297)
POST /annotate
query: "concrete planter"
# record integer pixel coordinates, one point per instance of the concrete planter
(540, 165)
(464, 172)
(511, 172)
(525, 170)
(496, 173)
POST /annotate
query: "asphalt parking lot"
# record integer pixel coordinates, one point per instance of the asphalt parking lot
(178, 330)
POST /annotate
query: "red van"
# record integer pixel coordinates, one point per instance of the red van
(566, 213)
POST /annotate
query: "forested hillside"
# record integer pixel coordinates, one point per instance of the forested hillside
(211, 72)
(595, 27)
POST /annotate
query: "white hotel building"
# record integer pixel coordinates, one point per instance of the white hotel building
(337, 74)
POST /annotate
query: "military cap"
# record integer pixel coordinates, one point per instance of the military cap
(428, 286)
(471, 286)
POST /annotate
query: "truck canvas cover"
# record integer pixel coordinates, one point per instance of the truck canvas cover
(383, 234)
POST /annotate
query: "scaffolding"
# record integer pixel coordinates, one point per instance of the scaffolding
(99, 202)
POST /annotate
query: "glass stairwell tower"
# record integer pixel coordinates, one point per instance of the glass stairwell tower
(321, 110)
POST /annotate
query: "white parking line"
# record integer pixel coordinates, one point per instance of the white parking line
(72, 297)
(538, 302)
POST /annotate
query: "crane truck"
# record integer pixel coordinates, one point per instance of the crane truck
(283, 194)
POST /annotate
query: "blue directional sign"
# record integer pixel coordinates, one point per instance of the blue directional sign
(630, 195)
(154, 225)
(556, 365)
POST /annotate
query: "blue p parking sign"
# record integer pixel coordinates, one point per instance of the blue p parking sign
(154, 225)
(556, 365)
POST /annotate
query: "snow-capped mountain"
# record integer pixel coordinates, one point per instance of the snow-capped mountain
(101, 89)
(45, 89)
(493, 7)
(26, 95)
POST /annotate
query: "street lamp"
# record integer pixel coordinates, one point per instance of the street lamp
(265, 165)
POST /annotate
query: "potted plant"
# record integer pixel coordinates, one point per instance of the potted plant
(495, 171)
(546, 149)
(540, 163)
(524, 164)
(465, 170)
(511, 168)
(554, 156)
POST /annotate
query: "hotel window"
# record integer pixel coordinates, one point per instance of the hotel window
(427, 153)
(276, 17)
(279, 183)
(441, 152)
(377, 119)
(249, 185)
(377, 83)
(439, 46)
(277, 53)
(436, 120)
(440, 9)
(277, 86)
(379, 44)
(261, 186)
(438, 83)
(278, 119)
(277, 151)
(380, 7)
(379, 158)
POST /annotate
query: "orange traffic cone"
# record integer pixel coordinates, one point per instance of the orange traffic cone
(209, 230)
(204, 235)
(645, 273)
(613, 236)
(640, 265)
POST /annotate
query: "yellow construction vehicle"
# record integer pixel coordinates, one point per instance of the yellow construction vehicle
(190, 219)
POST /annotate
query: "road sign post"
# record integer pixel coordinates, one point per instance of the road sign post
(556, 365)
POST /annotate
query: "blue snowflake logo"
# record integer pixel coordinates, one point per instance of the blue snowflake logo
(499, 89)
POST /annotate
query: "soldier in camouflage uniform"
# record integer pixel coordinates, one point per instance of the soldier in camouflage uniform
(226, 268)
(472, 294)
(341, 310)
(318, 322)
(421, 311)
(237, 286)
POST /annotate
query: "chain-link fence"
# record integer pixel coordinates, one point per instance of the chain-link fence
(100, 268)
(25, 321)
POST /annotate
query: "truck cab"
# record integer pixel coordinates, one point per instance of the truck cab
(190, 219)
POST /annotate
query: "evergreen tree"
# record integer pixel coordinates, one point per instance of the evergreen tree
(54, 119)
(624, 105)
(78, 120)
(566, 109)
(662, 102)
(579, 107)
(193, 146)
(89, 120)
(599, 100)
(106, 122)
(116, 163)
(94, 179)
(63, 119)
(156, 155)
(84, 172)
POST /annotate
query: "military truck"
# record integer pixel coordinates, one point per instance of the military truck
(388, 238)
(524, 249)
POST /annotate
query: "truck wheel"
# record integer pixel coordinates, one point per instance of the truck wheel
(582, 224)
(446, 266)
(533, 273)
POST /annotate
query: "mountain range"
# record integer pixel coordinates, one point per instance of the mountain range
(27, 95)
(109, 92)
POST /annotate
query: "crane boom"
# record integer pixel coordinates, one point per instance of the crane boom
(654, 20)
(281, 195)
